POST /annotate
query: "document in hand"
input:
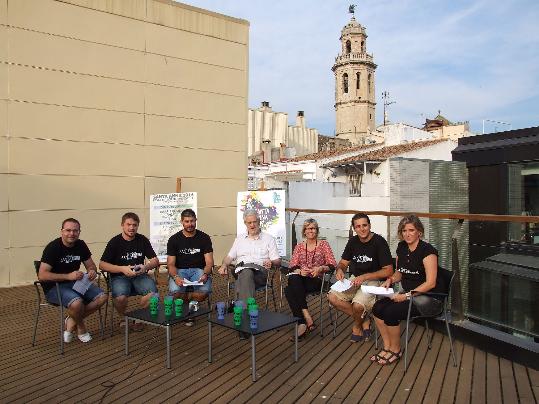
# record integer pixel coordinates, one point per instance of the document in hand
(341, 286)
(377, 290)
(189, 283)
(82, 285)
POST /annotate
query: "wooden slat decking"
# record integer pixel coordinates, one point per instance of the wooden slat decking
(329, 370)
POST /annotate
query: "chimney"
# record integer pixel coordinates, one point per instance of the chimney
(265, 106)
(300, 119)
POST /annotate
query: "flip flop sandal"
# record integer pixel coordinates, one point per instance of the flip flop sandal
(367, 334)
(301, 337)
(311, 327)
(356, 338)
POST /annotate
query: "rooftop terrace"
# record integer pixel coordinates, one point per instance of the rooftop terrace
(328, 370)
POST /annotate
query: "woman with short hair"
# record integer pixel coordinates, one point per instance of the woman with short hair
(417, 266)
(310, 260)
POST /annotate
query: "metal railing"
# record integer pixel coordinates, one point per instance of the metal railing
(452, 231)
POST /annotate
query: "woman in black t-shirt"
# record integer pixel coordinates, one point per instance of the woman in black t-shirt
(417, 265)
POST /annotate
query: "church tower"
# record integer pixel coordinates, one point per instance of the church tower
(354, 85)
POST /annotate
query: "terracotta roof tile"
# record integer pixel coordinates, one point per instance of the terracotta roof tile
(332, 153)
(388, 151)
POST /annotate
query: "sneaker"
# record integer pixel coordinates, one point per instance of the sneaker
(68, 336)
(86, 337)
(189, 323)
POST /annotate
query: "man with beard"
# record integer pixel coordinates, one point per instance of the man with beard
(189, 258)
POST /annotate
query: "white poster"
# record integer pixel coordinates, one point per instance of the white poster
(165, 210)
(270, 206)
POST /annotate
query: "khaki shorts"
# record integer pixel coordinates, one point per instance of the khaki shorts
(355, 295)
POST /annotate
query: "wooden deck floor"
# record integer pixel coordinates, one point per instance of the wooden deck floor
(329, 370)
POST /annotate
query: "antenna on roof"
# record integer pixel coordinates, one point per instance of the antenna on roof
(385, 97)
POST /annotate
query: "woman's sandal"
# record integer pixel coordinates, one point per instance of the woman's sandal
(300, 336)
(394, 357)
(377, 356)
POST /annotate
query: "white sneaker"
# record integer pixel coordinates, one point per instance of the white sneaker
(86, 337)
(68, 336)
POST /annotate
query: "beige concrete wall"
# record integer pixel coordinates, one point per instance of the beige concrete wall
(105, 102)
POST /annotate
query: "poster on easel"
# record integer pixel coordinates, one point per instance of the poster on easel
(165, 210)
(270, 206)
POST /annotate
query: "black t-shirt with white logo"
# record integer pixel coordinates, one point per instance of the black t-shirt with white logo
(122, 252)
(367, 257)
(189, 251)
(410, 264)
(63, 259)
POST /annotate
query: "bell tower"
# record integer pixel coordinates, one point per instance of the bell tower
(354, 85)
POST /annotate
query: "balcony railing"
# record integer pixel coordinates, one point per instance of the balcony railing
(354, 56)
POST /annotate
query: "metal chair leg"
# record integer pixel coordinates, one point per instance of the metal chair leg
(61, 328)
(36, 316)
(406, 337)
(321, 317)
(430, 335)
(450, 340)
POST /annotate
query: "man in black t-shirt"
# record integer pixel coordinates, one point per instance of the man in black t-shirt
(368, 259)
(60, 263)
(124, 258)
(189, 259)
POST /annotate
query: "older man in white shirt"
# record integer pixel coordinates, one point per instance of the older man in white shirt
(254, 247)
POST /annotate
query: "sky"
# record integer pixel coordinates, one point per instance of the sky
(472, 60)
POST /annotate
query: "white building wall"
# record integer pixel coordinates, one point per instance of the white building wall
(398, 133)
(318, 195)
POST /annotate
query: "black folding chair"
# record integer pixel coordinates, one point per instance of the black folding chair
(447, 280)
(108, 280)
(42, 302)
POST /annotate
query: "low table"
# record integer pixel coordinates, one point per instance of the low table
(267, 321)
(160, 320)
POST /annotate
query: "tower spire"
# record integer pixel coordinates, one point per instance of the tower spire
(354, 84)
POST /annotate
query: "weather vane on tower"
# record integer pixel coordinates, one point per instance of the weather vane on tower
(351, 8)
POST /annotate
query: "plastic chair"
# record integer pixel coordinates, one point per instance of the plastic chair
(324, 289)
(42, 302)
(268, 286)
(447, 278)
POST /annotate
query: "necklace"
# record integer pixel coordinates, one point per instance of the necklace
(312, 257)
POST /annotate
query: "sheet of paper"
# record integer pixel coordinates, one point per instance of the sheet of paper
(189, 283)
(82, 285)
(377, 290)
(341, 286)
(256, 267)
(292, 273)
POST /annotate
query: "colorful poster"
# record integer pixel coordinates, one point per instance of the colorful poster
(165, 210)
(270, 206)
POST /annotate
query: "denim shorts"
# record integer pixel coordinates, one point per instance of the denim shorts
(193, 275)
(136, 285)
(68, 295)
